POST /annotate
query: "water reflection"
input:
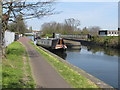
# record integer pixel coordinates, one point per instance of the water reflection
(99, 62)
(73, 50)
(60, 53)
(106, 51)
(63, 53)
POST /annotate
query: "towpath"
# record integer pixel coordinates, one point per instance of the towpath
(44, 74)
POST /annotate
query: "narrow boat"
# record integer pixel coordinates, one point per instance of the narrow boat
(53, 43)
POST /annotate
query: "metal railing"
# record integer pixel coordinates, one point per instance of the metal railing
(75, 36)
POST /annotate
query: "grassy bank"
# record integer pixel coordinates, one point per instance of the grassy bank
(107, 41)
(71, 76)
(16, 72)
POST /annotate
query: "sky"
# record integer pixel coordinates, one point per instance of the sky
(102, 14)
(77, 0)
(119, 14)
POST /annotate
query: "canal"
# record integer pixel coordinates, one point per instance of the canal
(97, 61)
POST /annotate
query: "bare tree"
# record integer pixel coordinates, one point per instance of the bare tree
(12, 8)
(74, 23)
(94, 30)
(49, 27)
(55, 27)
(85, 31)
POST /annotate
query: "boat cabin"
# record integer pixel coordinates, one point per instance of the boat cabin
(53, 43)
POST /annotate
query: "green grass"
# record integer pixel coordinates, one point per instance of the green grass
(16, 72)
(72, 77)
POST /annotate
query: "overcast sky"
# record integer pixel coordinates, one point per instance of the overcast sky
(102, 14)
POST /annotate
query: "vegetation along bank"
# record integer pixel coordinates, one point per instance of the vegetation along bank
(16, 72)
(107, 41)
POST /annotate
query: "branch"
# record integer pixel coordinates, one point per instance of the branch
(28, 10)
(7, 3)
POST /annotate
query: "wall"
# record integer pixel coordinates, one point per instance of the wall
(108, 33)
(9, 37)
(112, 33)
(103, 33)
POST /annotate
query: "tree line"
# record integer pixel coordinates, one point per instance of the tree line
(69, 26)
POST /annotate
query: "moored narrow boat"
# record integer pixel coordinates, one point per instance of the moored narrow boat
(53, 43)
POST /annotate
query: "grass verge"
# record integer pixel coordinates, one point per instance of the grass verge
(16, 72)
(72, 77)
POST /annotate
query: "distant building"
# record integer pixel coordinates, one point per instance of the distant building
(109, 33)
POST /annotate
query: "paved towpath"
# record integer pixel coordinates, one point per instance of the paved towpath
(44, 74)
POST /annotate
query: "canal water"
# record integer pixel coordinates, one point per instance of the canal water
(97, 61)
(101, 64)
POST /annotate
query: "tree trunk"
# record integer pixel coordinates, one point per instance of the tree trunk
(0, 29)
(5, 19)
(0, 44)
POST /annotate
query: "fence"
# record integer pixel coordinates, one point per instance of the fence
(75, 36)
(9, 37)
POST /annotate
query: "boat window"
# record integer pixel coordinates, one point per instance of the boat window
(48, 43)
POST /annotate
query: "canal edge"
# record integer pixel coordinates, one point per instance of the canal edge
(95, 80)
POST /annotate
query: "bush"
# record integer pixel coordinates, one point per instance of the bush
(108, 41)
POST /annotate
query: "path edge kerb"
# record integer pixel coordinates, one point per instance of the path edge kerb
(95, 80)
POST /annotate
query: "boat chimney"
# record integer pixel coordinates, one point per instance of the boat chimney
(53, 35)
